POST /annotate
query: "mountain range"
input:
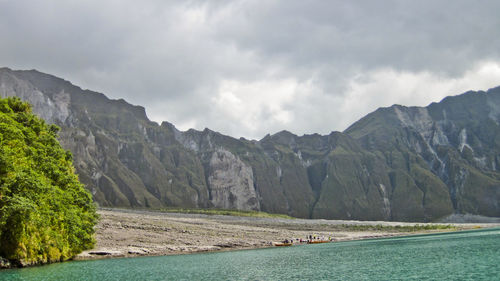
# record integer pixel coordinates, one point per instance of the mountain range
(397, 163)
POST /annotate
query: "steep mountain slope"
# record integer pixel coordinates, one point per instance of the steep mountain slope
(396, 163)
(122, 157)
(458, 140)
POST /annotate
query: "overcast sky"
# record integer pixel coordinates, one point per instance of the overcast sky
(248, 68)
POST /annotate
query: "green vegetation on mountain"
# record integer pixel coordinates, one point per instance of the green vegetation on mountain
(223, 212)
(397, 163)
(45, 213)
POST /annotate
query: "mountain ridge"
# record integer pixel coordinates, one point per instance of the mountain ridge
(396, 163)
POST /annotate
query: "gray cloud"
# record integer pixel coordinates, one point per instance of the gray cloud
(247, 68)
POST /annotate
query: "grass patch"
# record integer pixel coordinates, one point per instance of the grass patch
(224, 212)
(357, 227)
(398, 228)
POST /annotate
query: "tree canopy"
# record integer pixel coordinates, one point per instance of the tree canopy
(45, 213)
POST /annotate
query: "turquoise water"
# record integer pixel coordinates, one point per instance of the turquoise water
(470, 255)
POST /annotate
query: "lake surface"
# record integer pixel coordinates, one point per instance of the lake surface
(468, 255)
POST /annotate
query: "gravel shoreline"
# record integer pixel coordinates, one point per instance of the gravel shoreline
(129, 233)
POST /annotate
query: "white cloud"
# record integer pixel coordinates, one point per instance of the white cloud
(385, 87)
(255, 106)
(248, 68)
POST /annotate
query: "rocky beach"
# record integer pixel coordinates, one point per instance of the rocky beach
(127, 233)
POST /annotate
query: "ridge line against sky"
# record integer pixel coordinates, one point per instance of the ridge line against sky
(248, 68)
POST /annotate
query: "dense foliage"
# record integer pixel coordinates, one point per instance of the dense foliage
(45, 213)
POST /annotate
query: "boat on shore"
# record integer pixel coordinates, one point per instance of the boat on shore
(282, 244)
(318, 241)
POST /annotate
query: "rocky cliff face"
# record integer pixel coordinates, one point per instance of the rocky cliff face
(397, 163)
(231, 182)
(455, 143)
(122, 157)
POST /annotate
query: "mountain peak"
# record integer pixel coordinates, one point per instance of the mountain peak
(383, 167)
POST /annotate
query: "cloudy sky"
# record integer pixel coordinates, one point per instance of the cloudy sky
(248, 68)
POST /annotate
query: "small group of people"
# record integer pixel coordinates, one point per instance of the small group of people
(309, 238)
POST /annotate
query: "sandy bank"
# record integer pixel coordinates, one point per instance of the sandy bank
(123, 233)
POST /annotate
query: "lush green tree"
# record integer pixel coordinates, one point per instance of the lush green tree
(45, 213)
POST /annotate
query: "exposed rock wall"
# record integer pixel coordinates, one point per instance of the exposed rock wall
(231, 182)
(397, 163)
